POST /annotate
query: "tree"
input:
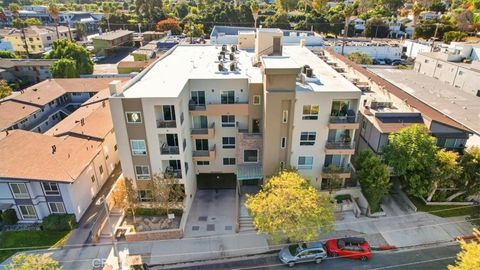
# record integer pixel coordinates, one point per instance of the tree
(197, 30)
(81, 30)
(131, 197)
(107, 11)
(18, 23)
(411, 152)
(255, 8)
(54, 11)
(33, 261)
(454, 36)
(417, 8)
(286, 5)
(374, 178)
(446, 170)
(64, 68)
(468, 258)
(279, 20)
(470, 163)
(332, 178)
(7, 54)
(376, 28)
(64, 48)
(149, 10)
(360, 58)
(465, 20)
(167, 192)
(169, 24)
(288, 206)
(5, 89)
(32, 21)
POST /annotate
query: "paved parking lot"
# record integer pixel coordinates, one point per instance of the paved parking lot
(212, 213)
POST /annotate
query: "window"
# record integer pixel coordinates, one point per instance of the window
(227, 97)
(27, 211)
(115, 147)
(228, 142)
(134, 117)
(307, 138)
(100, 169)
(201, 144)
(283, 144)
(198, 98)
(19, 190)
(138, 147)
(49, 38)
(305, 162)
(56, 208)
(250, 156)
(203, 163)
(145, 195)
(285, 116)
(228, 120)
(142, 172)
(256, 100)
(93, 178)
(228, 161)
(50, 188)
(310, 112)
(282, 165)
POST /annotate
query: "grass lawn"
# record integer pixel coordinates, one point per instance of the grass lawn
(444, 210)
(30, 239)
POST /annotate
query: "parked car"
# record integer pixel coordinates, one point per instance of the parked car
(300, 253)
(397, 62)
(351, 247)
(97, 59)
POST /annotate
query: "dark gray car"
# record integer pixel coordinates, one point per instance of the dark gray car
(305, 252)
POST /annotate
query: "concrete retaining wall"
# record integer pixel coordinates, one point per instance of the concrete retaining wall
(131, 236)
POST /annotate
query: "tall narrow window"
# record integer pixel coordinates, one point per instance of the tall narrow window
(284, 142)
(285, 116)
(256, 100)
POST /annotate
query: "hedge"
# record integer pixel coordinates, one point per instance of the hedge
(59, 222)
(9, 217)
(155, 212)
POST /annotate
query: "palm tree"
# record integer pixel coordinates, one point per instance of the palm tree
(15, 9)
(53, 11)
(416, 10)
(81, 30)
(255, 9)
(347, 12)
(107, 11)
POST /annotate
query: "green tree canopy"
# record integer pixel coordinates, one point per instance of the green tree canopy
(64, 68)
(468, 258)
(32, 21)
(376, 28)
(446, 170)
(169, 24)
(288, 206)
(64, 48)
(454, 36)
(5, 89)
(360, 58)
(374, 178)
(470, 162)
(7, 54)
(33, 261)
(279, 20)
(411, 152)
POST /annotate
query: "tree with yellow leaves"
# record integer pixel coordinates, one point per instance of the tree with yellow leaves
(469, 257)
(289, 207)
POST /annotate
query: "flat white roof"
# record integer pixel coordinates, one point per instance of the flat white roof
(279, 62)
(328, 80)
(168, 76)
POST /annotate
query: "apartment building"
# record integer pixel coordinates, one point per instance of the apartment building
(449, 67)
(63, 169)
(387, 108)
(41, 106)
(26, 71)
(218, 116)
(107, 43)
(38, 38)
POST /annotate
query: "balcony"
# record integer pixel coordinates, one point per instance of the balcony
(348, 121)
(339, 148)
(203, 133)
(341, 171)
(175, 173)
(237, 108)
(204, 155)
(166, 124)
(169, 150)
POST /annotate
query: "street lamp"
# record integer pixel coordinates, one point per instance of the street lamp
(103, 201)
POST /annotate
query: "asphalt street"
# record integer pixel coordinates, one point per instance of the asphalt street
(432, 258)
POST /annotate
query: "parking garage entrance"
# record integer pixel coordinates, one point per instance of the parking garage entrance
(216, 181)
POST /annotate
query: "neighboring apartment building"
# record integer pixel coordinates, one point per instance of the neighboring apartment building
(376, 49)
(218, 117)
(450, 68)
(62, 170)
(26, 71)
(386, 108)
(107, 43)
(38, 38)
(41, 106)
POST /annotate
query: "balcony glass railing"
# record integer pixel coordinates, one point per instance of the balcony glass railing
(166, 124)
(339, 145)
(175, 173)
(339, 118)
(334, 168)
(169, 150)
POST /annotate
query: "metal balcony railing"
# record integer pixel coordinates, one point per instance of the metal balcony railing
(333, 168)
(169, 150)
(175, 173)
(339, 145)
(166, 124)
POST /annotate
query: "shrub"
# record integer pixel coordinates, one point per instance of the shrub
(9, 217)
(59, 222)
(360, 58)
(155, 212)
(454, 36)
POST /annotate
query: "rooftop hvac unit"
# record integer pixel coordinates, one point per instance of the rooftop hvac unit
(309, 72)
(381, 104)
(220, 67)
(233, 66)
(232, 57)
(304, 68)
(478, 93)
(224, 48)
(220, 57)
(233, 48)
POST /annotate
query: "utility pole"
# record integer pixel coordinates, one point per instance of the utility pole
(434, 37)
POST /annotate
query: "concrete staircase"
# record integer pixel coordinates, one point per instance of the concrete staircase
(116, 217)
(245, 221)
